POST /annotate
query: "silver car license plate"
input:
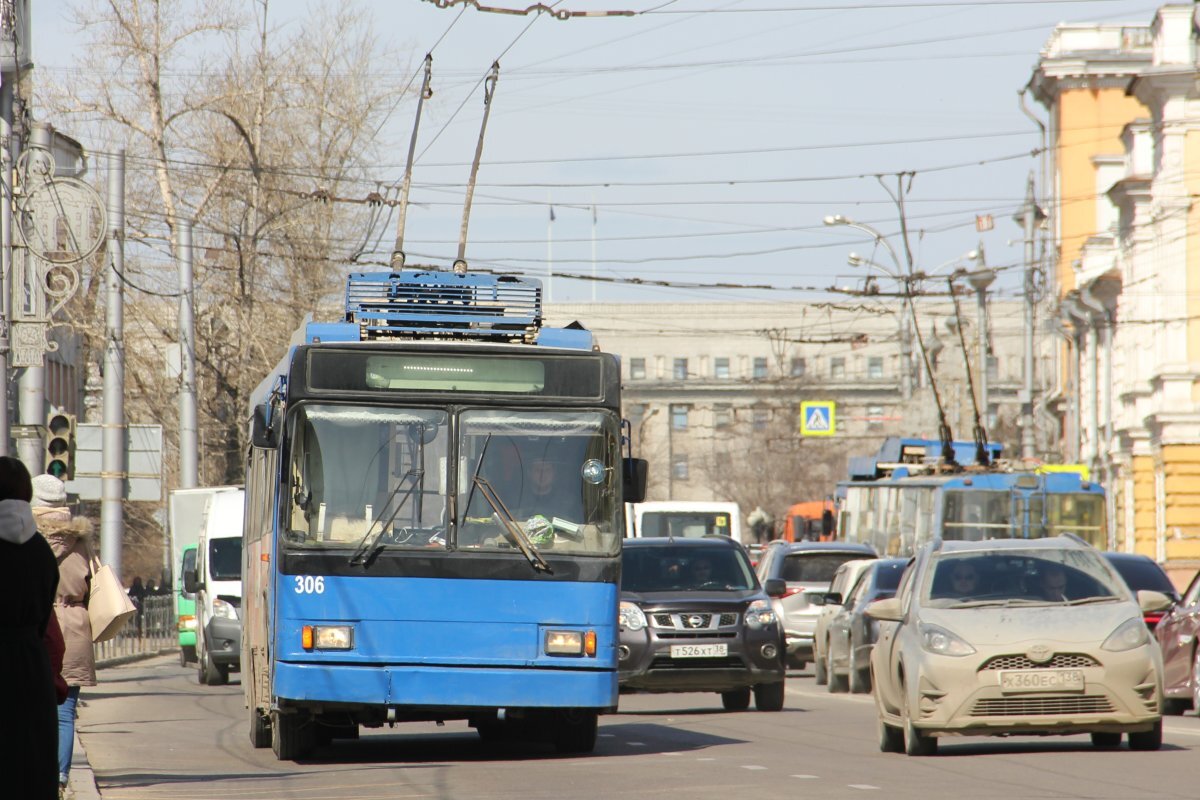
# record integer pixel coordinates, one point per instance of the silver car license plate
(699, 650)
(1041, 680)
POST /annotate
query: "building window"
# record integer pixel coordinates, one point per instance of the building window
(722, 415)
(679, 417)
(679, 467)
(637, 369)
(874, 417)
(762, 416)
(798, 366)
(721, 369)
(875, 367)
(837, 367)
(760, 369)
(679, 371)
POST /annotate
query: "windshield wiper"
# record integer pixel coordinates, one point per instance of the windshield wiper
(1100, 598)
(367, 543)
(511, 529)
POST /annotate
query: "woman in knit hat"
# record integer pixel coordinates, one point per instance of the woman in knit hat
(69, 538)
(28, 578)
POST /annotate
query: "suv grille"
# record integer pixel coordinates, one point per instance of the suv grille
(695, 621)
(1059, 661)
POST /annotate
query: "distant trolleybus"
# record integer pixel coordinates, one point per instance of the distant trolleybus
(434, 519)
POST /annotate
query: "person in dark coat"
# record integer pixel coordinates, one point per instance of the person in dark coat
(28, 583)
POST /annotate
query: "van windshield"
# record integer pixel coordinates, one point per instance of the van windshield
(225, 559)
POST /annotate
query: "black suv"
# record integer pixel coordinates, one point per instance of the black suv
(694, 618)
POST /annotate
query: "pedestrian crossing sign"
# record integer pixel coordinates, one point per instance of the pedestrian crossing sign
(818, 418)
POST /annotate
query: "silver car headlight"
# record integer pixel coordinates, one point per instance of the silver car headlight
(938, 640)
(1129, 634)
(760, 615)
(631, 617)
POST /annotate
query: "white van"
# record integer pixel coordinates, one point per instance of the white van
(684, 518)
(217, 583)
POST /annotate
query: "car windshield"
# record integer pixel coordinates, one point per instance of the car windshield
(670, 569)
(813, 566)
(225, 559)
(1020, 577)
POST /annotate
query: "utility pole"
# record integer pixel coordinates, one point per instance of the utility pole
(1028, 218)
(6, 250)
(114, 466)
(31, 386)
(188, 441)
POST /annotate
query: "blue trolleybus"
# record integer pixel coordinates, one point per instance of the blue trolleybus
(903, 497)
(434, 518)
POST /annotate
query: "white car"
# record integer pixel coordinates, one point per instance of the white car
(1015, 637)
(845, 577)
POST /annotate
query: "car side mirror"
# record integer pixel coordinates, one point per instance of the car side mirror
(1150, 601)
(775, 587)
(833, 599)
(190, 581)
(888, 610)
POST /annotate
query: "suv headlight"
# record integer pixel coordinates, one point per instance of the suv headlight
(223, 608)
(631, 617)
(1129, 634)
(938, 640)
(759, 615)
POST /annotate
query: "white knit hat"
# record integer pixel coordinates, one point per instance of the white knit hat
(48, 491)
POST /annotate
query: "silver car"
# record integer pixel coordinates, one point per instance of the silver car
(807, 568)
(1015, 637)
(843, 580)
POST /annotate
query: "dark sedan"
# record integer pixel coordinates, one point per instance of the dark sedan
(1142, 572)
(1178, 634)
(694, 618)
(851, 633)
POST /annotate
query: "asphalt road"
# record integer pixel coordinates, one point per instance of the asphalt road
(151, 731)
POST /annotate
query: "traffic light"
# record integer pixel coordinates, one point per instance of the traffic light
(60, 445)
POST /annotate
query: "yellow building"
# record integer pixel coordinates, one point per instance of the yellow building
(1124, 136)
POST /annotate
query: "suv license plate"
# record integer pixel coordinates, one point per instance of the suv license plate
(699, 650)
(1042, 680)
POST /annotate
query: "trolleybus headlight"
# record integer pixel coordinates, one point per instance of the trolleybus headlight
(631, 617)
(564, 643)
(327, 637)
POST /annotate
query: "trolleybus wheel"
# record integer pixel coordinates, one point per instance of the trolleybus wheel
(293, 736)
(575, 731)
(213, 675)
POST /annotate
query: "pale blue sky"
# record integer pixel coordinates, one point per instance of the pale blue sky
(712, 136)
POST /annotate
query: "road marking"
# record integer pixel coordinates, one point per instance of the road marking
(706, 758)
(1181, 731)
(866, 786)
(805, 777)
(636, 744)
(752, 766)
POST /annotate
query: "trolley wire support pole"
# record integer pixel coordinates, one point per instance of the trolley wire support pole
(188, 439)
(6, 254)
(489, 89)
(114, 458)
(426, 93)
(1028, 218)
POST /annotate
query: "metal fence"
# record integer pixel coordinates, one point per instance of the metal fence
(151, 631)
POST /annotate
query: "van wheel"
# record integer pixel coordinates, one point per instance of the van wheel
(260, 729)
(213, 675)
(187, 654)
(201, 667)
(737, 700)
(293, 736)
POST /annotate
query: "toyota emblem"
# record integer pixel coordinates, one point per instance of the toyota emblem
(1039, 654)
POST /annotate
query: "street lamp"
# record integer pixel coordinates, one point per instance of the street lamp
(980, 279)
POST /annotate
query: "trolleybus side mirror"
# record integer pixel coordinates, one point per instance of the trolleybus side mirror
(633, 474)
(261, 433)
(190, 581)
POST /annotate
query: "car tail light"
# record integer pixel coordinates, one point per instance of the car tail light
(791, 590)
(1153, 618)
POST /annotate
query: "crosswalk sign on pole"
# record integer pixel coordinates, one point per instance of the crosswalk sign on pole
(818, 418)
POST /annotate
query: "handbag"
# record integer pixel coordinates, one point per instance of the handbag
(109, 607)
